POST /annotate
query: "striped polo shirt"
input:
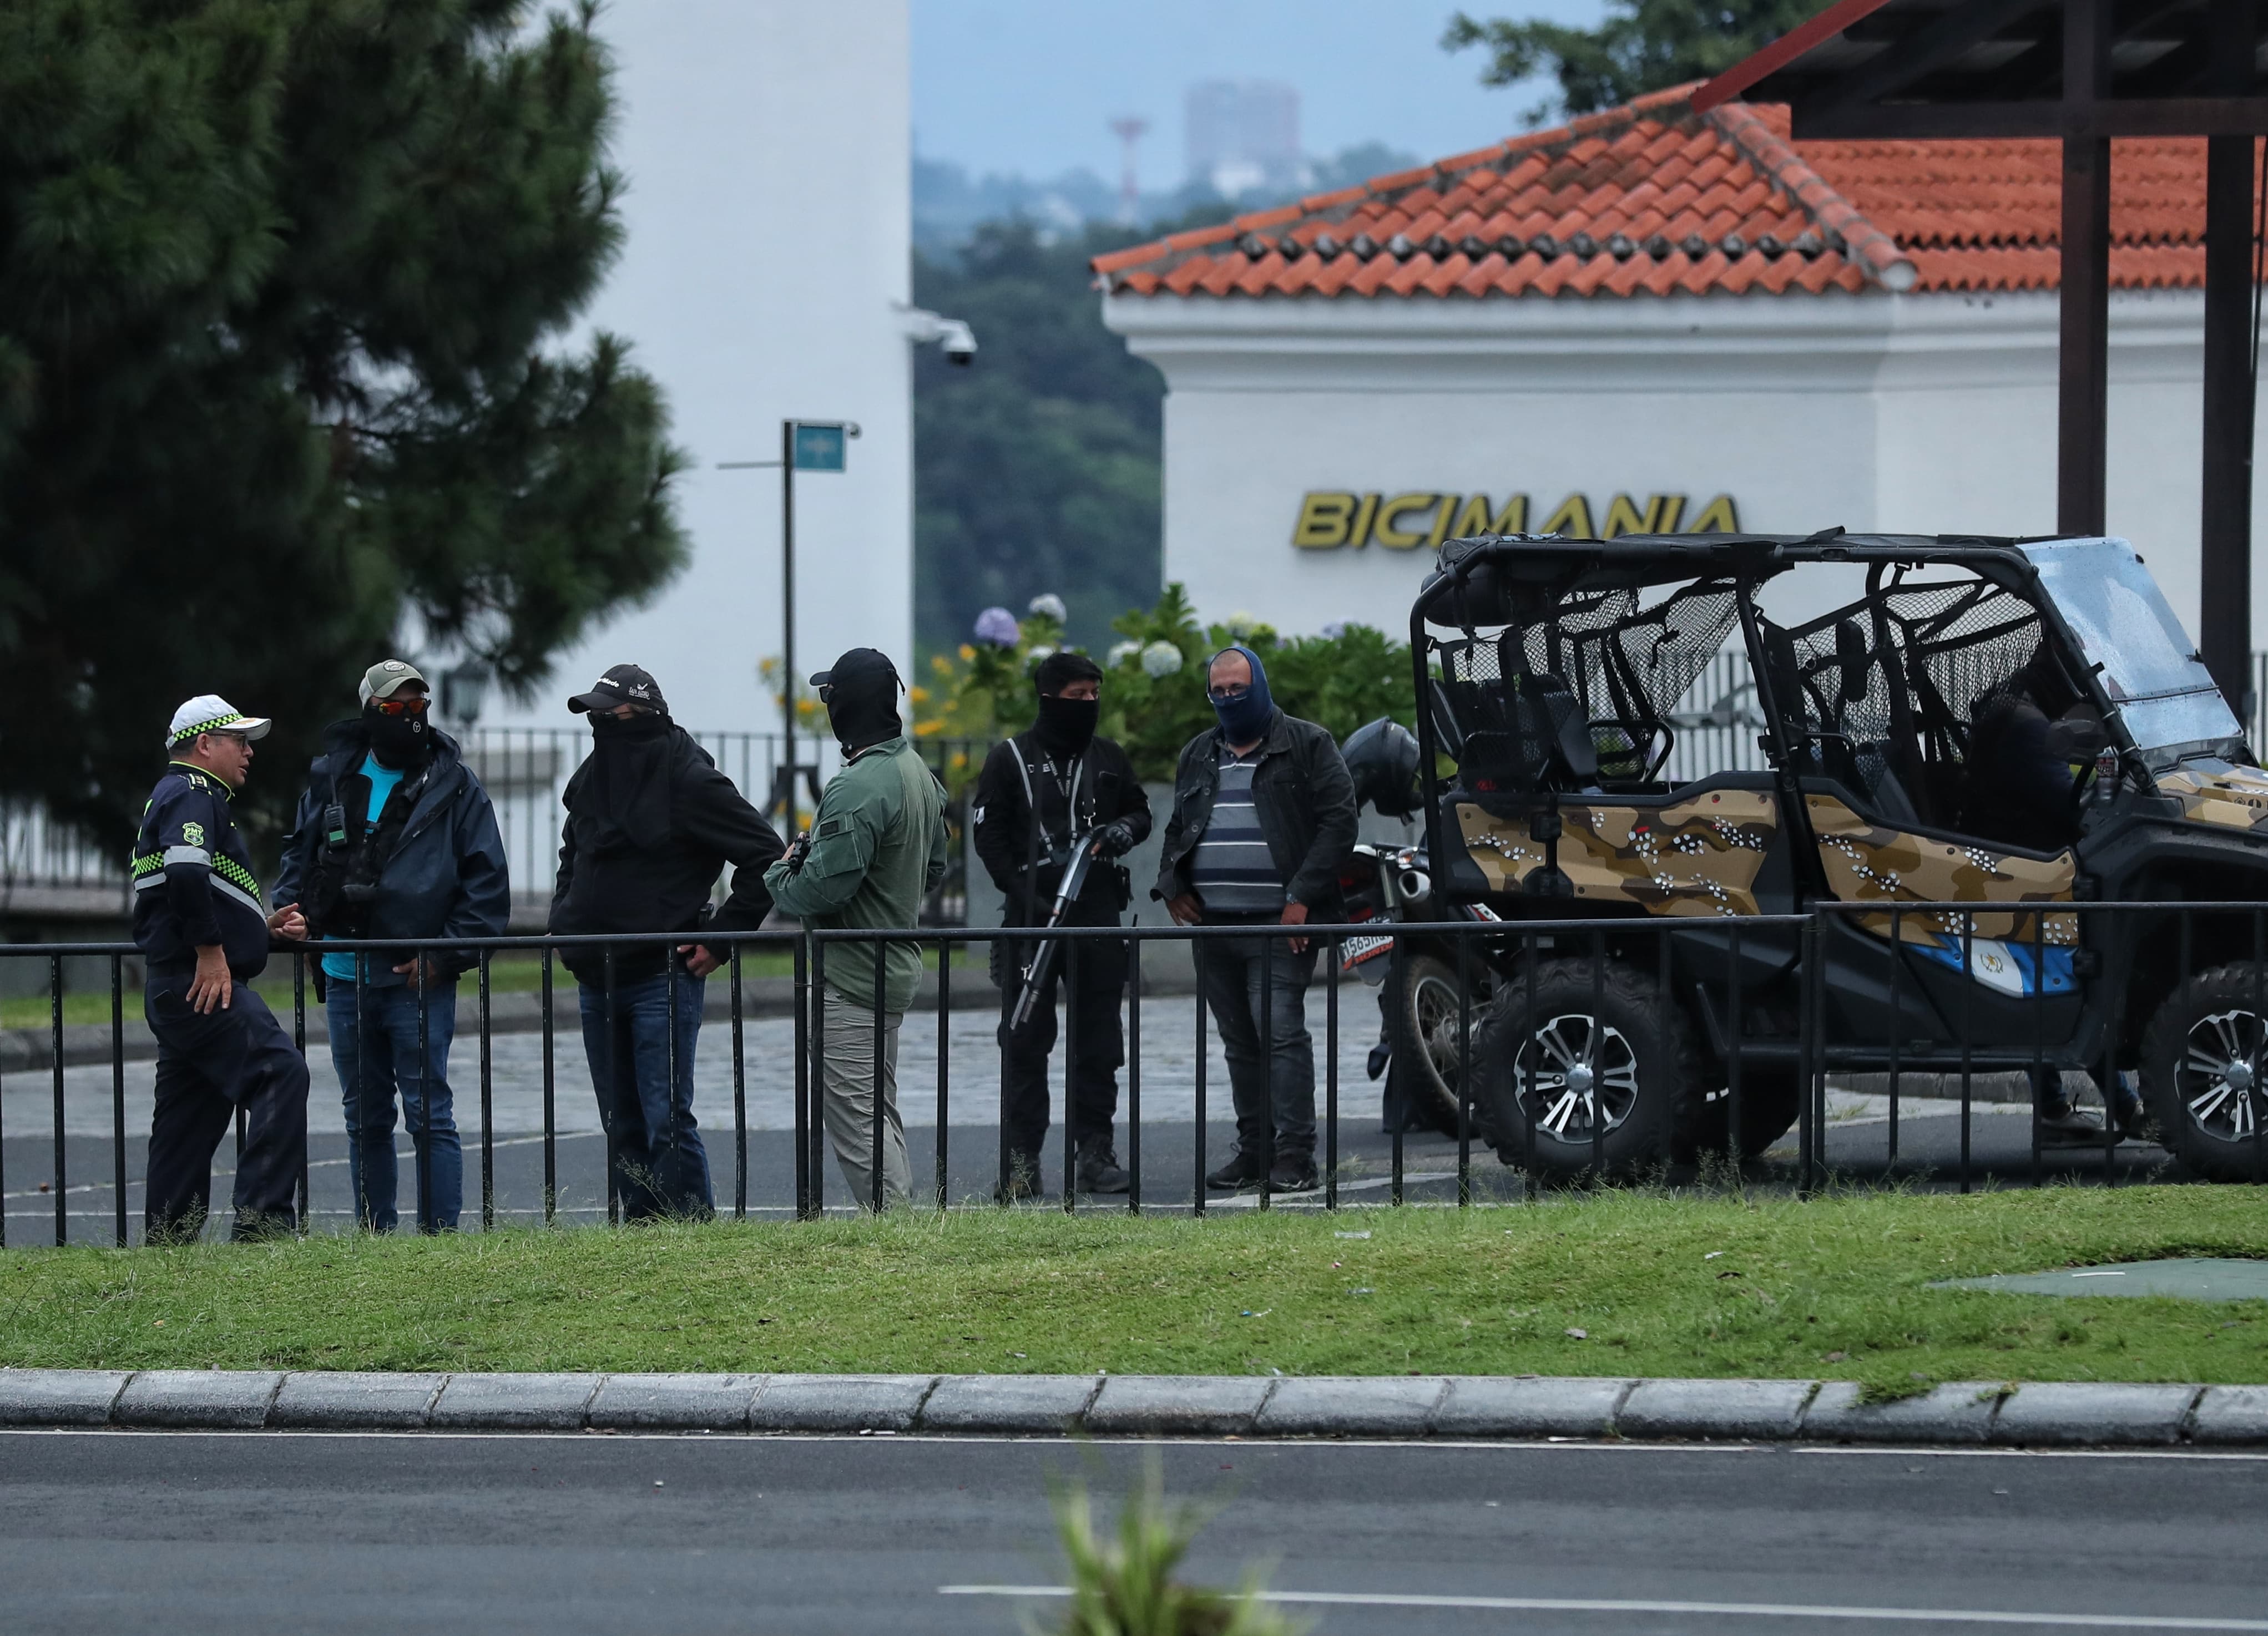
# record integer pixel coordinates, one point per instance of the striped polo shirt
(1232, 868)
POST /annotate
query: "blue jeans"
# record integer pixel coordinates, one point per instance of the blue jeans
(1274, 1099)
(657, 1164)
(374, 1047)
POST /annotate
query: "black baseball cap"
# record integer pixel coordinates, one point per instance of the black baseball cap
(859, 664)
(622, 684)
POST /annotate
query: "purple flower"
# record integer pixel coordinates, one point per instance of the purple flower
(998, 626)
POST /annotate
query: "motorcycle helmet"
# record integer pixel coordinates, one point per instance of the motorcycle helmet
(1382, 756)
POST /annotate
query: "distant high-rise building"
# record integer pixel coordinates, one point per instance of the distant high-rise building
(1242, 134)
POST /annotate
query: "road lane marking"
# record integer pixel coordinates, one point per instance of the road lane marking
(1726, 1610)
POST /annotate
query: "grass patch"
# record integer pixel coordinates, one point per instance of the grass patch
(1656, 1284)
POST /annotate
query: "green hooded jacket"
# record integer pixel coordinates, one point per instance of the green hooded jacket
(877, 851)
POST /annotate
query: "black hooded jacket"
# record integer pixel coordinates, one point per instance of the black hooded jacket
(1106, 791)
(641, 853)
(446, 876)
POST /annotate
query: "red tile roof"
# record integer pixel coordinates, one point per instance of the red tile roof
(1656, 198)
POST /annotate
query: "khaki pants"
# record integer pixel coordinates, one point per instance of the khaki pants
(847, 1095)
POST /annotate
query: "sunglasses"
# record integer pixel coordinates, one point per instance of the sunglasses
(1225, 695)
(414, 705)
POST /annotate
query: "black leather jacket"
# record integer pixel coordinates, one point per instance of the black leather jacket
(1306, 801)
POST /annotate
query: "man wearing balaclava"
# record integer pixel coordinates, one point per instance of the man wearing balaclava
(877, 849)
(1040, 791)
(652, 823)
(395, 838)
(1264, 816)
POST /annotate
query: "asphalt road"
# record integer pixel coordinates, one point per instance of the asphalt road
(263, 1532)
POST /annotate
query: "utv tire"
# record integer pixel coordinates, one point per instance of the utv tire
(1628, 1063)
(1426, 1045)
(1770, 1098)
(2202, 1059)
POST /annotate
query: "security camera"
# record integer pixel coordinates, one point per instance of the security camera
(953, 336)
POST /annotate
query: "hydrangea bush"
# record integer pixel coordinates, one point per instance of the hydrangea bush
(1153, 694)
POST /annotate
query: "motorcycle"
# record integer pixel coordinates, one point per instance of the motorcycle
(1385, 883)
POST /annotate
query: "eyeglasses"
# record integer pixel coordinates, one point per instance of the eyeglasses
(414, 705)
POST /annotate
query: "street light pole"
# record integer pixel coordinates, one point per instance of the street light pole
(823, 457)
(787, 614)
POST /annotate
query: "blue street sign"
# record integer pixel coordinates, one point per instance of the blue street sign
(818, 448)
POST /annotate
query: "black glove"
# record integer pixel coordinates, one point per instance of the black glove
(1114, 841)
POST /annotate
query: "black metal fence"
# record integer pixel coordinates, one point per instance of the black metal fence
(1600, 1046)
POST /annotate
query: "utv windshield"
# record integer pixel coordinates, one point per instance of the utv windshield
(2150, 668)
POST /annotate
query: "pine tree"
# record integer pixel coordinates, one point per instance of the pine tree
(283, 290)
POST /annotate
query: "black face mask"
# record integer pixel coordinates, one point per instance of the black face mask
(398, 741)
(629, 729)
(864, 711)
(1066, 726)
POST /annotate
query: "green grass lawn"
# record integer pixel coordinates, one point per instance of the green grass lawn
(1658, 1285)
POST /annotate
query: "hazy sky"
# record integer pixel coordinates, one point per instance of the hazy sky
(1029, 86)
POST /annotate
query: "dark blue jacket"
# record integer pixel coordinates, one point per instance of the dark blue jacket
(447, 876)
(193, 881)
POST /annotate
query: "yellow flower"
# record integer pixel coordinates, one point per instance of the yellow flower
(924, 729)
(919, 696)
(942, 665)
(966, 653)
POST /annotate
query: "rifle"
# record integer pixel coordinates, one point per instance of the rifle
(1041, 964)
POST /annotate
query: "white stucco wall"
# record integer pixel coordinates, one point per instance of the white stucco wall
(766, 148)
(1920, 414)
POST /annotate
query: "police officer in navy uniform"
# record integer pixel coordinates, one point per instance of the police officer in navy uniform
(203, 934)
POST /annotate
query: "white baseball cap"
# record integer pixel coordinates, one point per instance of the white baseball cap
(209, 712)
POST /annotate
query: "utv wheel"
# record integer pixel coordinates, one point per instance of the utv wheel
(1594, 1079)
(1428, 1040)
(1770, 1098)
(2202, 1059)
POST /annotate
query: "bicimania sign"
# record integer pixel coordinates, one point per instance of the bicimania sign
(1331, 517)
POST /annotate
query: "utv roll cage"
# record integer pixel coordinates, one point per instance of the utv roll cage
(1563, 674)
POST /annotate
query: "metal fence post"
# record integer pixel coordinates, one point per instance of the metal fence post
(55, 1060)
(882, 991)
(1331, 1078)
(118, 1101)
(944, 949)
(1464, 1073)
(1197, 955)
(1134, 1074)
(550, 1128)
(739, 1095)
(1070, 992)
(428, 1215)
(488, 1104)
(1968, 1030)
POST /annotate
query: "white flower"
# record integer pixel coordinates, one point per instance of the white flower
(1036, 656)
(1050, 606)
(1241, 625)
(1122, 651)
(1161, 659)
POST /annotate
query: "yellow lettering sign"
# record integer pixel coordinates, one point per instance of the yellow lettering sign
(1659, 517)
(1326, 518)
(1394, 510)
(1334, 517)
(1473, 518)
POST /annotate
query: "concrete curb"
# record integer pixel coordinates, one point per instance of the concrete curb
(1967, 1414)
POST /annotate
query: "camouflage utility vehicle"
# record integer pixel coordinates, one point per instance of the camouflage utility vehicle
(1946, 720)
